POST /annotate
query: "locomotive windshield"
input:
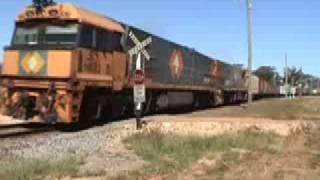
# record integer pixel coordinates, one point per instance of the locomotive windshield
(45, 34)
(65, 35)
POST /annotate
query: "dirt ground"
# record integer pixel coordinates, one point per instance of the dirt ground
(211, 126)
(305, 108)
(296, 121)
(297, 158)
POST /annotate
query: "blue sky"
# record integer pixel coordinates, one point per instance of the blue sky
(214, 27)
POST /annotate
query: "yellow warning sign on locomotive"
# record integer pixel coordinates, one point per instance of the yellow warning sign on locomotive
(32, 62)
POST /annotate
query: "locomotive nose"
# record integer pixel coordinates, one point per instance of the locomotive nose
(33, 62)
(37, 63)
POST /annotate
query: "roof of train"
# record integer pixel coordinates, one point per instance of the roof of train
(67, 11)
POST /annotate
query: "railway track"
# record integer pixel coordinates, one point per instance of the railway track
(16, 130)
(10, 129)
(13, 129)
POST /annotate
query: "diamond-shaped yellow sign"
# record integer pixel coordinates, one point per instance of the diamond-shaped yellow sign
(176, 64)
(32, 62)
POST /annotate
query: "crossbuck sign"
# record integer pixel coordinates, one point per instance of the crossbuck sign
(139, 46)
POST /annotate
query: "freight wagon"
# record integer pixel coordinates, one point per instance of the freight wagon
(263, 88)
(66, 64)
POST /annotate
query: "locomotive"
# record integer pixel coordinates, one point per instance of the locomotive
(66, 64)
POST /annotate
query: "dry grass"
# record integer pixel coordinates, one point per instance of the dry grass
(246, 155)
(168, 153)
(306, 108)
(36, 169)
(313, 143)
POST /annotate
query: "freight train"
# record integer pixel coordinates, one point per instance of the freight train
(66, 64)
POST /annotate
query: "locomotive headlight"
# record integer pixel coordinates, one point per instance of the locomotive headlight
(53, 13)
(29, 14)
(66, 14)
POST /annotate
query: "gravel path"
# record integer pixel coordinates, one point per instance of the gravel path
(105, 140)
(101, 146)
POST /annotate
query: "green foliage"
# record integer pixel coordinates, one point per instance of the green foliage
(267, 73)
(295, 75)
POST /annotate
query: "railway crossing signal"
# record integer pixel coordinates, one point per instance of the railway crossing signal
(140, 46)
(139, 77)
(139, 90)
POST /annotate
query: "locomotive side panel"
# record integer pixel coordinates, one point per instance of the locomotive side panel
(254, 85)
(169, 63)
(233, 78)
(207, 71)
(172, 64)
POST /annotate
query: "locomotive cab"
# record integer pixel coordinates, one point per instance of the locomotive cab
(41, 49)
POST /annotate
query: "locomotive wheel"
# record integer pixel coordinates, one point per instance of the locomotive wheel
(89, 108)
(101, 107)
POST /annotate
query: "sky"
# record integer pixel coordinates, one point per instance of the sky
(216, 28)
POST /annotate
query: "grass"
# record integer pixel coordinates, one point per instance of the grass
(167, 153)
(307, 108)
(36, 169)
(313, 143)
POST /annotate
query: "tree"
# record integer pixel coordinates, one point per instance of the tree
(295, 75)
(268, 73)
(310, 81)
(278, 79)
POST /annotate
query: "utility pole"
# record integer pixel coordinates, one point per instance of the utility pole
(286, 74)
(249, 28)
